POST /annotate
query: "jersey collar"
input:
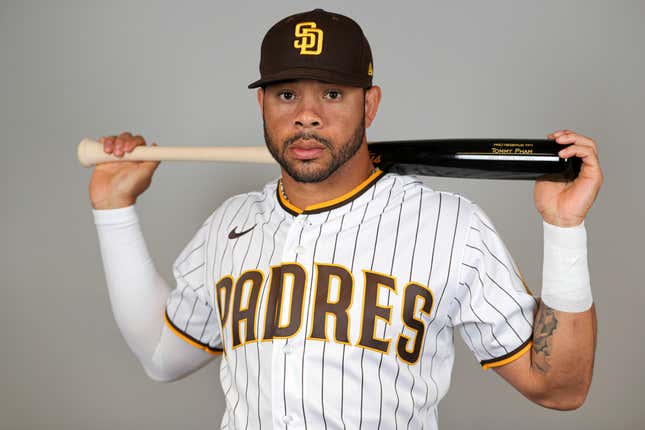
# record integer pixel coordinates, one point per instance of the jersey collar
(329, 204)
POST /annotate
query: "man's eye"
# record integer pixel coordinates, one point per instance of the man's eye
(334, 95)
(286, 95)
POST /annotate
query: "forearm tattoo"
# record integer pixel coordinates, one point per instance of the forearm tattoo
(545, 325)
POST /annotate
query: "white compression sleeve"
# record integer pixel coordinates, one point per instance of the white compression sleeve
(138, 297)
(565, 273)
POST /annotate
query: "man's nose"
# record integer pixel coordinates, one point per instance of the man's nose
(308, 115)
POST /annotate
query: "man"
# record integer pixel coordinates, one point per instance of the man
(334, 292)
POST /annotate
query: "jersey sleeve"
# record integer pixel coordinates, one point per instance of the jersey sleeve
(494, 308)
(190, 312)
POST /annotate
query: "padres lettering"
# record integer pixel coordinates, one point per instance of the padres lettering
(238, 303)
(310, 38)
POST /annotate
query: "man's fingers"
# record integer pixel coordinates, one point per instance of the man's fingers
(586, 153)
(578, 139)
(108, 143)
(121, 144)
(567, 135)
(557, 134)
(137, 140)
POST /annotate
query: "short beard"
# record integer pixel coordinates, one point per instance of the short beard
(339, 155)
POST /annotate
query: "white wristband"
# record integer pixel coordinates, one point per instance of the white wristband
(565, 273)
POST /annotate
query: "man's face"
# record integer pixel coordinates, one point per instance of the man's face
(312, 128)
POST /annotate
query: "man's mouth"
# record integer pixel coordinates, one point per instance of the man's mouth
(306, 149)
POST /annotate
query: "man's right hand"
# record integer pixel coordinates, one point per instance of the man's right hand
(118, 184)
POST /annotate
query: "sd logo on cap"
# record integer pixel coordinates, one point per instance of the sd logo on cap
(318, 45)
(309, 37)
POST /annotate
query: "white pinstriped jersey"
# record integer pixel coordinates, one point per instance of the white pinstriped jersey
(342, 315)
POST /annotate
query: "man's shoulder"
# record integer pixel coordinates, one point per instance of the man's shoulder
(246, 201)
(263, 194)
(415, 186)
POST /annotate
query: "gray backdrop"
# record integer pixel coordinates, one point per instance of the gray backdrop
(177, 72)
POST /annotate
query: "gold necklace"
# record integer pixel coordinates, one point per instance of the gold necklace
(284, 195)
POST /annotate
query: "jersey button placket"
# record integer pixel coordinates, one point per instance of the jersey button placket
(282, 354)
(293, 249)
(284, 387)
(287, 419)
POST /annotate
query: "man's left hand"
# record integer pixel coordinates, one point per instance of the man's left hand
(566, 204)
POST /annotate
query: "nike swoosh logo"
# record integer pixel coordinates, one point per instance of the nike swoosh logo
(234, 234)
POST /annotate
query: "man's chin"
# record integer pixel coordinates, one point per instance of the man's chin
(308, 171)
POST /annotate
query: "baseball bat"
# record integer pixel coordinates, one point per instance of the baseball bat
(528, 159)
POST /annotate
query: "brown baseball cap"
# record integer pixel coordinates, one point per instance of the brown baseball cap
(317, 45)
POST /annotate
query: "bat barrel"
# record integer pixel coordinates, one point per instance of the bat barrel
(527, 159)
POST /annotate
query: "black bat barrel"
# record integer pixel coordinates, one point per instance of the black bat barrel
(528, 159)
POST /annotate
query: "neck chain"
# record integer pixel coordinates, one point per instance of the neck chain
(284, 195)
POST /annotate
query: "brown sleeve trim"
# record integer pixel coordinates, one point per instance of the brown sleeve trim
(510, 357)
(189, 339)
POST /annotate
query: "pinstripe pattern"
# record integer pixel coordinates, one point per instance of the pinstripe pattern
(235, 383)
(398, 229)
(308, 307)
(322, 363)
(246, 253)
(342, 377)
(374, 247)
(487, 279)
(389, 294)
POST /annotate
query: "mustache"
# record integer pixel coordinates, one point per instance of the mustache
(307, 136)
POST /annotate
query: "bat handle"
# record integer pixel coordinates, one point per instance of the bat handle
(90, 153)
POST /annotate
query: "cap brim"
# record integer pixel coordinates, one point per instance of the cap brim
(316, 74)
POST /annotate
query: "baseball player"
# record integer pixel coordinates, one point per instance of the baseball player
(331, 296)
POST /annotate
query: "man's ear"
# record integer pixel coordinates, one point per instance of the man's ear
(372, 101)
(261, 99)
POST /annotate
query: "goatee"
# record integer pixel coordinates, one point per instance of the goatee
(308, 171)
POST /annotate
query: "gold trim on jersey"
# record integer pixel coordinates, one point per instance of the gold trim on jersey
(189, 339)
(508, 358)
(329, 204)
(290, 207)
